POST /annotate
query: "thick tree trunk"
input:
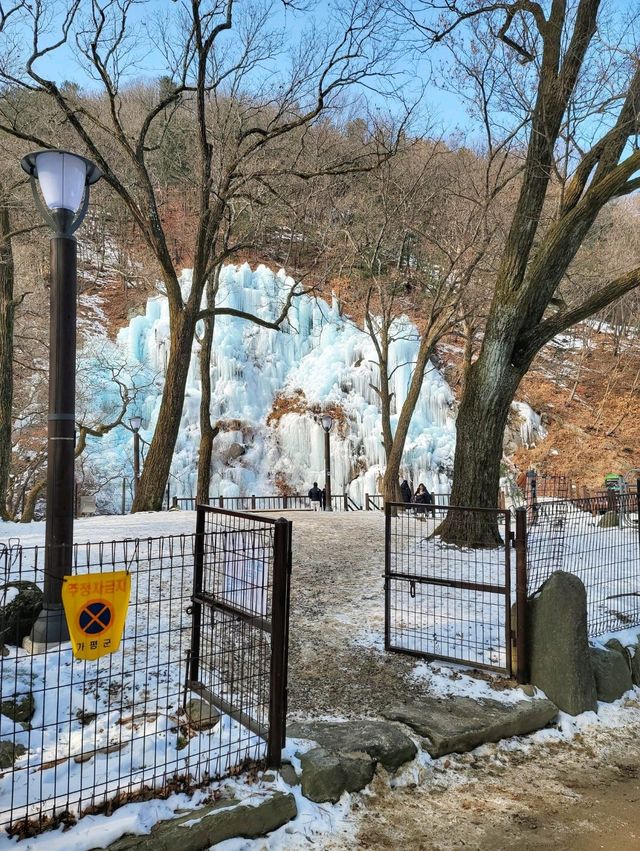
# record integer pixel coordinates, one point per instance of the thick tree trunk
(491, 384)
(207, 431)
(157, 464)
(7, 311)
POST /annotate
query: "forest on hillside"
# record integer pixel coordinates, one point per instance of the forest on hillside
(317, 149)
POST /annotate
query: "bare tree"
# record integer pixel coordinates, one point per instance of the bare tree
(562, 68)
(245, 95)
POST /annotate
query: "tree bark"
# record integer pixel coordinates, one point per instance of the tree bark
(491, 384)
(7, 313)
(157, 465)
(208, 432)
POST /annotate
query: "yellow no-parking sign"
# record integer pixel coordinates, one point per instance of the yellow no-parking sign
(95, 605)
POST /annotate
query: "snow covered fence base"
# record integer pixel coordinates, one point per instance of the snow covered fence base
(76, 736)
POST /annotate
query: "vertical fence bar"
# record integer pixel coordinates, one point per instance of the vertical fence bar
(387, 580)
(279, 617)
(507, 596)
(367, 507)
(522, 666)
(196, 606)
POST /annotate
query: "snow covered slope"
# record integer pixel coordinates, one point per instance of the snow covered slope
(319, 359)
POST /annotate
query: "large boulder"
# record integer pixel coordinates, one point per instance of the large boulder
(458, 724)
(326, 775)
(609, 520)
(559, 654)
(18, 617)
(384, 742)
(612, 673)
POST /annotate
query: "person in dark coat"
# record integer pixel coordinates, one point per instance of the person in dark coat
(423, 498)
(405, 491)
(315, 495)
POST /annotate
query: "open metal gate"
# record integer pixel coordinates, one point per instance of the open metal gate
(454, 602)
(240, 628)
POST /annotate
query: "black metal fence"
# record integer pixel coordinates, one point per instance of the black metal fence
(81, 735)
(598, 540)
(239, 639)
(448, 602)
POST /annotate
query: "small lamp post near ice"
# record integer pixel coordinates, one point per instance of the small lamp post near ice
(135, 423)
(64, 180)
(326, 421)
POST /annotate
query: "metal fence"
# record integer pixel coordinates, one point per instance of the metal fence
(79, 736)
(448, 602)
(239, 639)
(597, 539)
(278, 502)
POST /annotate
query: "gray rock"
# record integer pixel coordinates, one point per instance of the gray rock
(19, 708)
(617, 647)
(634, 661)
(609, 520)
(289, 774)
(235, 450)
(612, 674)
(384, 742)
(559, 657)
(9, 752)
(326, 775)
(458, 724)
(202, 716)
(18, 617)
(213, 824)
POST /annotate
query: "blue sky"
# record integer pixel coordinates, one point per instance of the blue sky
(447, 112)
(64, 63)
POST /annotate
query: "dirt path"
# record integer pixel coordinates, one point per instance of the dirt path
(580, 795)
(337, 606)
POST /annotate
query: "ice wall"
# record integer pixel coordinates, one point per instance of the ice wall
(319, 357)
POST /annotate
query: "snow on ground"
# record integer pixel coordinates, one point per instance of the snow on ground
(337, 669)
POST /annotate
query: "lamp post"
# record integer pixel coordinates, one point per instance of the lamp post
(135, 423)
(327, 423)
(64, 180)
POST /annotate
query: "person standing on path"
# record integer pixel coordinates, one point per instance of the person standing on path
(405, 491)
(315, 495)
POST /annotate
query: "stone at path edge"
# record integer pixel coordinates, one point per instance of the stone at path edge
(383, 741)
(199, 829)
(326, 775)
(559, 653)
(612, 672)
(459, 724)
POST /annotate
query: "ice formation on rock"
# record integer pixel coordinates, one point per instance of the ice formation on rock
(318, 358)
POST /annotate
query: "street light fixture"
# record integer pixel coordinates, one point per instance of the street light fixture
(64, 180)
(326, 421)
(135, 423)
